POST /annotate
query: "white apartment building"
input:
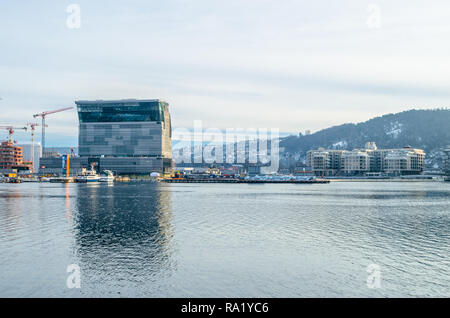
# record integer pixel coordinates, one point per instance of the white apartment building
(404, 161)
(355, 162)
(446, 161)
(371, 160)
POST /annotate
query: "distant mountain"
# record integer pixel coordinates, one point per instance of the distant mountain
(425, 129)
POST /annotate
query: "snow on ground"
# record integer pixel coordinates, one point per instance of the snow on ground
(395, 129)
(340, 144)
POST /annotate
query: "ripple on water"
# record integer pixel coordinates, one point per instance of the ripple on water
(219, 240)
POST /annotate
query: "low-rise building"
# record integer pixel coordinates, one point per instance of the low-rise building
(446, 161)
(404, 161)
(367, 161)
(324, 162)
(355, 162)
(11, 157)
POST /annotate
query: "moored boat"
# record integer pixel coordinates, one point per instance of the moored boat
(88, 176)
(107, 176)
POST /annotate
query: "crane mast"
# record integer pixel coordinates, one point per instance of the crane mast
(11, 131)
(43, 115)
(32, 125)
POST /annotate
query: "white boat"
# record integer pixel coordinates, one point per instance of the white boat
(107, 176)
(88, 176)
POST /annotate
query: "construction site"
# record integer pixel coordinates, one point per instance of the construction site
(119, 138)
(21, 160)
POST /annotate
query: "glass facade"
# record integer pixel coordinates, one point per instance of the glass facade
(125, 129)
(120, 111)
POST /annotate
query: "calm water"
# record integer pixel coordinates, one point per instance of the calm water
(218, 240)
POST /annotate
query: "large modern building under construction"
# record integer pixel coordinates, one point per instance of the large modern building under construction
(125, 136)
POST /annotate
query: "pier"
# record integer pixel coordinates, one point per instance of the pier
(242, 181)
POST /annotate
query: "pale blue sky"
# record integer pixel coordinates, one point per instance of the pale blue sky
(292, 65)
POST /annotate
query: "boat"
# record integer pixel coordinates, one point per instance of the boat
(107, 176)
(32, 179)
(88, 176)
(62, 179)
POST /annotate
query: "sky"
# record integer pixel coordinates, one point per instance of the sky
(292, 65)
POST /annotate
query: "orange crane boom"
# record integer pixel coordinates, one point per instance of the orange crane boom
(43, 115)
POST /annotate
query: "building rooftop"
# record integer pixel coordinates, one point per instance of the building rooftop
(115, 101)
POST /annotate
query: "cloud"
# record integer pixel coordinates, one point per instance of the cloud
(293, 65)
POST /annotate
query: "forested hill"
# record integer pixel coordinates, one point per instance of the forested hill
(425, 129)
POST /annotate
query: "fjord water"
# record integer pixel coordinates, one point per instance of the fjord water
(221, 240)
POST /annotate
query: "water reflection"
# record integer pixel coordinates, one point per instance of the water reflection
(123, 231)
(231, 240)
(67, 201)
(11, 205)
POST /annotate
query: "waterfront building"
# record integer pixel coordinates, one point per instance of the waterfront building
(404, 161)
(324, 162)
(446, 161)
(356, 162)
(367, 161)
(11, 157)
(126, 136)
(28, 148)
(253, 169)
(318, 160)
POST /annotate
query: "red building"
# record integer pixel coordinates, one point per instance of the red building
(11, 157)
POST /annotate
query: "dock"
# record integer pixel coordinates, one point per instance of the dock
(242, 181)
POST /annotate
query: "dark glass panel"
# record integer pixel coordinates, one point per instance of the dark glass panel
(119, 112)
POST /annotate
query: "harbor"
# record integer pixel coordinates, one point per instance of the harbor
(230, 181)
(158, 239)
(215, 157)
(140, 148)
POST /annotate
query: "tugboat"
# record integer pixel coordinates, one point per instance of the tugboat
(88, 175)
(107, 176)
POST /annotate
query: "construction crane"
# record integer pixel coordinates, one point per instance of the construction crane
(32, 125)
(11, 131)
(43, 115)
